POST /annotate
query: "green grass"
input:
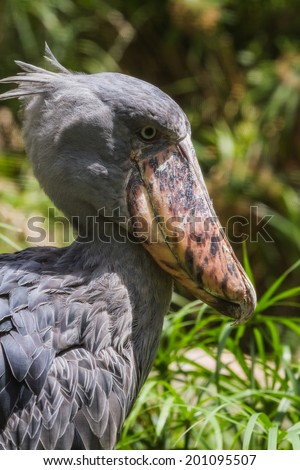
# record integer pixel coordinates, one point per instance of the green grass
(215, 386)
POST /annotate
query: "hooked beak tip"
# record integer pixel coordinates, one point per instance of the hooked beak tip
(239, 311)
(244, 310)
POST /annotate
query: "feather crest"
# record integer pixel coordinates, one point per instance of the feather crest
(34, 80)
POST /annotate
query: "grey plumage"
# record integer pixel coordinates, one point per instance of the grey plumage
(80, 326)
(68, 369)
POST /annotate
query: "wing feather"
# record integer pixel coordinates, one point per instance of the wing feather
(66, 371)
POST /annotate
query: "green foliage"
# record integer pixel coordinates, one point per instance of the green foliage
(215, 386)
(234, 66)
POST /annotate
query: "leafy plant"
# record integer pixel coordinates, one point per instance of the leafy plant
(241, 394)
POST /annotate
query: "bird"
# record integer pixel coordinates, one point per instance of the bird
(80, 324)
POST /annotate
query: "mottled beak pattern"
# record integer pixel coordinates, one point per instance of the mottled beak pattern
(172, 215)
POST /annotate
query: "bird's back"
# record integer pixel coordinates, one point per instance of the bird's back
(66, 361)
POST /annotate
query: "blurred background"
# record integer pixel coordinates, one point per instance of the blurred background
(234, 67)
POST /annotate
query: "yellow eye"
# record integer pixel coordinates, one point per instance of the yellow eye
(148, 132)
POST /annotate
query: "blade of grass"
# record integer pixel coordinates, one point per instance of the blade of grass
(164, 414)
(263, 302)
(221, 344)
(272, 437)
(10, 242)
(249, 431)
(247, 266)
(294, 439)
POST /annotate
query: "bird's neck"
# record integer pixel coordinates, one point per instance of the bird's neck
(149, 288)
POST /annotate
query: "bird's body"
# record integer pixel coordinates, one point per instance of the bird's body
(69, 323)
(80, 326)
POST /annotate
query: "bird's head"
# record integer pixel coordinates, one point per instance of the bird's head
(115, 143)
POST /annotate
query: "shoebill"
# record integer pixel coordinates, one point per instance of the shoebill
(80, 325)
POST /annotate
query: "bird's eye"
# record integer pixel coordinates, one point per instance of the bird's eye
(148, 132)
